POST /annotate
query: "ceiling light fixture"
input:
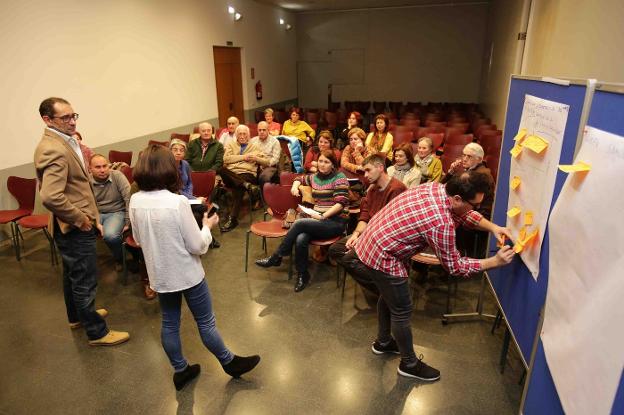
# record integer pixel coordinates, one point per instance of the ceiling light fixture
(281, 21)
(231, 10)
(237, 16)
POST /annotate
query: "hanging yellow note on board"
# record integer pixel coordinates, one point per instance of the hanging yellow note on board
(528, 218)
(516, 150)
(576, 167)
(518, 247)
(535, 143)
(520, 136)
(515, 182)
(530, 238)
(514, 211)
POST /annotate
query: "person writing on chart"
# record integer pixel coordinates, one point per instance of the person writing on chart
(426, 215)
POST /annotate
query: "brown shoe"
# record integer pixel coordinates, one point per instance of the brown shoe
(101, 311)
(111, 339)
(149, 293)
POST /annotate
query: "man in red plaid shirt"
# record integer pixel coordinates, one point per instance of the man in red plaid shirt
(420, 217)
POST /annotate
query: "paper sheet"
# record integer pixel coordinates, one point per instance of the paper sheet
(308, 211)
(544, 122)
(582, 332)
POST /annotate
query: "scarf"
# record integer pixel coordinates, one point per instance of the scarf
(401, 171)
(423, 164)
(327, 176)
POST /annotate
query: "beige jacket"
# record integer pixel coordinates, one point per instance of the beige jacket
(233, 159)
(411, 178)
(65, 186)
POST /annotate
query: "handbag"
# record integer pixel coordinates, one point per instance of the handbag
(290, 218)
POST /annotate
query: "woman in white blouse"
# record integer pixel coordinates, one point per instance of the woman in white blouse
(164, 227)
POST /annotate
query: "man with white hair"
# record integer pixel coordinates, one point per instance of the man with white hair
(229, 135)
(271, 150)
(473, 241)
(205, 153)
(239, 172)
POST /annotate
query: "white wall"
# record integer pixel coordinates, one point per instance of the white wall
(430, 53)
(130, 67)
(566, 38)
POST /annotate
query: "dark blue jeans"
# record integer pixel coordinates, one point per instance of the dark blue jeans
(80, 279)
(394, 308)
(305, 230)
(199, 302)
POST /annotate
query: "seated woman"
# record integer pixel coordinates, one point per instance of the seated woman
(295, 127)
(325, 142)
(404, 168)
(172, 244)
(354, 154)
(380, 141)
(430, 166)
(274, 127)
(178, 149)
(354, 120)
(330, 190)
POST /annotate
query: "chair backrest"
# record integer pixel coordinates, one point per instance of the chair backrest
(331, 118)
(451, 153)
(402, 136)
(492, 161)
(432, 123)
(127, 171)
(312, 117)
(491, 139)
(279, 199)
(120, 156)
(437, 139)
(183, 137)
(458, 139)
(253, 129)
(158, 143)
(203, 182)
(287, 178)
(24, 191)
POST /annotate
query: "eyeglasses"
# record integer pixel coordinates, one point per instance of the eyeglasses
(468, 156)
(68, 117)
(473, 206)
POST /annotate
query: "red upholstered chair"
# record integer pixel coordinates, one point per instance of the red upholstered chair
(183, 137)
(287, 178)
(438, 139)
(115, 156)
(312, 117)
(203, 183)
(331, 118)
(38, 222)
(451, 153)
(253, 129)
(158, 143)
(402, 136)
(127, 171)
(458, 139)
(491, 141)
(24, 191)
(279, 199)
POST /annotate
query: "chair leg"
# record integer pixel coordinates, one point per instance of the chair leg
(15, 239)
(124, 252)
(53, 257)
(264, 245)
(448, 294)
(247, 250)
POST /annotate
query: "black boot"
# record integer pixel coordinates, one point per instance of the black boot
(182, 378)
(272, 261)
(230, 224)
(241, 365)
(303, 279)
(214, 243)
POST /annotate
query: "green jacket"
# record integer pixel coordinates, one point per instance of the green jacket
(212, 160)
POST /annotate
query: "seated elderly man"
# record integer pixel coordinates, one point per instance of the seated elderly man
(473, 241)
(112, 194)
(205, 152)
(239, 172)
(229, 135)
(271, 149)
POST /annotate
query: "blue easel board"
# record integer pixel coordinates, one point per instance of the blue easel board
(520, 296)
(607, 114)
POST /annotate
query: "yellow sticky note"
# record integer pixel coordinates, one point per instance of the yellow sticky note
(528, 218)
(514, 211)
(530, 238)
(515, 182)
(535, 143)
(518, 247)
(522, 234)
(520, 136)
(576, 167)
(516, 150)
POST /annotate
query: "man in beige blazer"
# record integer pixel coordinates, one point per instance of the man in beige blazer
(65, 190)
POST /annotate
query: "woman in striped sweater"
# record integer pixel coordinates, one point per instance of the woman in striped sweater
(330, 190)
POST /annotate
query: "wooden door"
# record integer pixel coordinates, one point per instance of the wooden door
(229, 83)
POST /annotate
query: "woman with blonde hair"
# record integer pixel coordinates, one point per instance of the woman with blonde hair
(430, 166)
(274, 127)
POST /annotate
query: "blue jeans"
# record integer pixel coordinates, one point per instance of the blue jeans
(305, 230)
(80, 279)
(199, 302)
(394, 307)
(113, 224)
